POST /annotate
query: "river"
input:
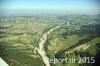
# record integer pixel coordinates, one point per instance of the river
(41, 49)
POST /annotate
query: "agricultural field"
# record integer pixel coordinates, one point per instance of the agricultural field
(80, 39)
(19, 36)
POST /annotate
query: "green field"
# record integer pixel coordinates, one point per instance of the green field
(20, 35)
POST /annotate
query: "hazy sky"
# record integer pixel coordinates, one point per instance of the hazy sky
(50, 6)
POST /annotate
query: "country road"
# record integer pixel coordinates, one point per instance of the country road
(41, 49)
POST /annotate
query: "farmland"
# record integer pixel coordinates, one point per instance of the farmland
(19, 36)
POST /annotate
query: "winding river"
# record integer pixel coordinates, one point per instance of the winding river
(41, 49)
